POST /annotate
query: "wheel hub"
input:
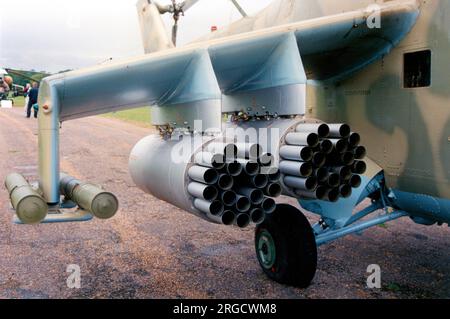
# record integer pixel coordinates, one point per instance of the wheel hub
(266, 250)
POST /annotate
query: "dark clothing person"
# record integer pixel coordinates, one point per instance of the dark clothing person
(33, 99)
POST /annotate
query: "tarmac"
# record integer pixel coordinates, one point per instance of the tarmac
(151, 249)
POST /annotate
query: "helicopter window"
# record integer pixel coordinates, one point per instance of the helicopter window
(417, 69)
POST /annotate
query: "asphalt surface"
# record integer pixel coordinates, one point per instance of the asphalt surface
(154, 250)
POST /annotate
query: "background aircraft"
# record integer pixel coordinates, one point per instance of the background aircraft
(378, 66)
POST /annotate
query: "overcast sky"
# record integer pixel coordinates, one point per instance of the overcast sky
(54, 35)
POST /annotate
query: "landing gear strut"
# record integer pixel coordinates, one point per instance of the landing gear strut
(286, 247)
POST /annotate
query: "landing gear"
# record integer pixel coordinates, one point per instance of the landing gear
(286, 247)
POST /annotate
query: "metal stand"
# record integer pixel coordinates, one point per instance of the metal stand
(325, 234)
(67, 212)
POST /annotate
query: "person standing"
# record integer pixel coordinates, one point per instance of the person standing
(32, 100)
(26, 89)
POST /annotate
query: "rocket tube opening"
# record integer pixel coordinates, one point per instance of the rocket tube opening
(306, 154)
(326, 146)
(313, 140)
(216, 208)
(242, 220)
(225, 182)
(256, 196)
(257, 216)
(355, 181)
(228, 218)
(268, 205)
(359, 167)
(210, 193)
(323, 130)
(340, 145)
(274, 190)
(345, 190)
(211, 176)
(251, 168)
(306, 169)
(333, 195)
(354, 139)
(229, 198)
(360, 152)
(234, 169)
(243, 204)
(311, 183)
(260, 181)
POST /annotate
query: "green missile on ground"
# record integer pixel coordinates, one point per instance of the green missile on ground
(30, 207)
(101, 204)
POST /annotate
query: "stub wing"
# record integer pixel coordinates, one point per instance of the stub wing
(260, 61)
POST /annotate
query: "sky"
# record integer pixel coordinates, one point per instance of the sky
(56, 35)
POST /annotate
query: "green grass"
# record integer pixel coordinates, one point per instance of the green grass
(385, 226)
(19, 101)
(393, 287)
(139, 116)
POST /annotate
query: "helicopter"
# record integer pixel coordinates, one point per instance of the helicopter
(332, 103)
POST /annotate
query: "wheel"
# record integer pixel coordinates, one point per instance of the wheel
(286, 247)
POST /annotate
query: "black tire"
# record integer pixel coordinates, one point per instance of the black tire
(286, 247)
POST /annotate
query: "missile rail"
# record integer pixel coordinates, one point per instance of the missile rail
(80, 202)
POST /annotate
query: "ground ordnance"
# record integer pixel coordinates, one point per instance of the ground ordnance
(30, 207)
(89, 197)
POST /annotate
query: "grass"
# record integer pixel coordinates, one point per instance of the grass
(19, 101)
(139, 116)
(393, 287)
